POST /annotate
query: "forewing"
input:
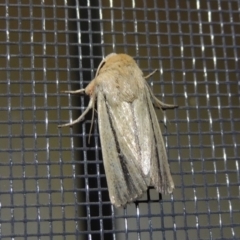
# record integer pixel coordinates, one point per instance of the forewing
(121, 154)
(161, 177)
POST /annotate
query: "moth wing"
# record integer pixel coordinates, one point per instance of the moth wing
(160, 173)
(133, 149)
(149, 142)
(125, 180)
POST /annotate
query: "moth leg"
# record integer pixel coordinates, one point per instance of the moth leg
(158, 104)
(75, 92)
(150, 74)
(90, 105)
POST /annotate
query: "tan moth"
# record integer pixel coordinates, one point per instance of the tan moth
(133, 149)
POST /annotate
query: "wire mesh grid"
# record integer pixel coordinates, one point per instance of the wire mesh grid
(52, 182)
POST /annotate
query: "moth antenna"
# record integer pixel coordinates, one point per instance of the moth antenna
(98, 69)
(150, 74)
(91, 119)
(103, 62)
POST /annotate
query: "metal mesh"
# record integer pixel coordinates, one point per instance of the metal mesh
(52, 182)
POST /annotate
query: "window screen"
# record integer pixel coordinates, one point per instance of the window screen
(52, 181)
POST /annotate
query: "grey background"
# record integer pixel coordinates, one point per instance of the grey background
(52, 182)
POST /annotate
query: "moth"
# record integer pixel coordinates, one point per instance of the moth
(134, 154)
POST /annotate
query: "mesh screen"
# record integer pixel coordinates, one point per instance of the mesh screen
(52, 181)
